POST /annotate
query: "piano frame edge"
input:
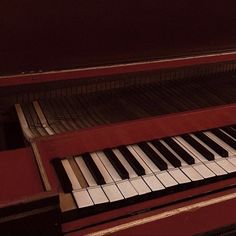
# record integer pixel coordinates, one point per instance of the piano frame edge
(142, 66)
(23, 200)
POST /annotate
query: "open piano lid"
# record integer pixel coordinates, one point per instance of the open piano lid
(45, 36)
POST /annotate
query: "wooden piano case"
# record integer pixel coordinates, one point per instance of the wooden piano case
(26, 208)
(109, 43)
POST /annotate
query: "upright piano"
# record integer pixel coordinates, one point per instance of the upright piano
(118, 117)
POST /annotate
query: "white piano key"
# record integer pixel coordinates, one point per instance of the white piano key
(126, 188)
(97, 195)
(215, 168)
(71, 175)
(169, 165)
(125, 163)
(187, 147)
(166, 179)
(153, 183)
(203, 170)
(205, 145)
(232, 160)
(171, 150)
(212, 165)
(110, 189)
(230, 150)
(101, 168)
(140, 185)
(111, 170)
(227, 134)
(176, 173)
(112, 192)
(191, 173)
(145, 158)
(85, 171)
(140, 160)
(82, 198)
(183, 162)
(200, 161)
(179, 176)
(226, 165)
(194, 153)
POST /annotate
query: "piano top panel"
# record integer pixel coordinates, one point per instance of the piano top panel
(42, 36)
(19, 176)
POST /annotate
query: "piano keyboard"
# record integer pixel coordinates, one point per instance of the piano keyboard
(64, 114)
(148, 169)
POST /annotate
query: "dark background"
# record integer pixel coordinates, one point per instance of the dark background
(45, 35)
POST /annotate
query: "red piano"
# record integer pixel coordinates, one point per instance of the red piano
(118, 118)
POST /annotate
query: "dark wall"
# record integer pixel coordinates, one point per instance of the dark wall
(46, 35)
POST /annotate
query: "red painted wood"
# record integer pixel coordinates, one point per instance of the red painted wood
(97, 138)
(158, 202)
(19, 176)
(115, 69)
(194, 222)
(187, 223)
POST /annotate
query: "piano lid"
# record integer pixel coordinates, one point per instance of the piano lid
(44, 35)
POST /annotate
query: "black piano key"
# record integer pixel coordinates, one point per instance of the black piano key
(230, 131)
(166, 153)
(62, 175)
(123, 173)
(212, 144)
(93, 169)
(196, 145)
(132, 160)
(180, 151)
(161, 164)
(224, 137)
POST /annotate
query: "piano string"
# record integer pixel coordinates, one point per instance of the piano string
(51, 116)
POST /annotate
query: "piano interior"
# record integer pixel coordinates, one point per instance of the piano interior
(78, 104)
(123, 145)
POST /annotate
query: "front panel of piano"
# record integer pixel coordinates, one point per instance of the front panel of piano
(139, 139)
